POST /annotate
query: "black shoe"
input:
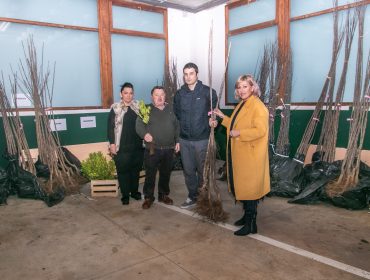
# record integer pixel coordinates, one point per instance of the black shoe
(136, 195)
(249, 227)
(125, 200)
(245, 230)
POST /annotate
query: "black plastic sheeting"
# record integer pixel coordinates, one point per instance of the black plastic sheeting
(71, 158)
(25, 185)
(356, 198)
(42, 170)
(286, 176)
(5, 186)
(318, 174)
(306, 185)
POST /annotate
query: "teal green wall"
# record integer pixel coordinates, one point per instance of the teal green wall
(299, 120)
(73, 135)
(76, 135)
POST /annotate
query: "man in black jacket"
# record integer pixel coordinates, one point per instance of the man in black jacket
(192, 103)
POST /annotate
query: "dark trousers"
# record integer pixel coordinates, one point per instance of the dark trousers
(193, 156)
(162, 161)
(128, 165)
(250, 206)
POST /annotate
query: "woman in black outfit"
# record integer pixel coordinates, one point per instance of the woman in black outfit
(125, 145)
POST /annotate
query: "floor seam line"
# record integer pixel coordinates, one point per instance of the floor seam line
(284, 246)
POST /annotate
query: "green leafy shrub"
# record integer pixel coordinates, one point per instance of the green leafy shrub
(97, 167)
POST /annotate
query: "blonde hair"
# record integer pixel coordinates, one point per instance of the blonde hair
(250, 80)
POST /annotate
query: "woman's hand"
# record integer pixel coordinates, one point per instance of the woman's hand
(113, 149)
(234, 133)
(148, 137)
(218, 113)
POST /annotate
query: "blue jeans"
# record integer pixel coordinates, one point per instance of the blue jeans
(193, 155)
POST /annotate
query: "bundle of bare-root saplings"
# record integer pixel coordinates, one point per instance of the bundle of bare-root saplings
(57, 171)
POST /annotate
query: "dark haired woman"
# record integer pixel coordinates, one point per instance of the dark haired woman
(125, 145)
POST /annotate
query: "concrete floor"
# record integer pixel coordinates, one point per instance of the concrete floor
(101, 239)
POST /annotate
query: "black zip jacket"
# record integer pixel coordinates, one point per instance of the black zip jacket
(191, 109)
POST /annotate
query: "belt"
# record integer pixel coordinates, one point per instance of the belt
(161, 147)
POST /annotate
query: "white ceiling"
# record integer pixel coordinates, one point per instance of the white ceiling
(193, 6)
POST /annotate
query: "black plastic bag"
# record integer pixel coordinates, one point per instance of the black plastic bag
(42, 170)
(286, 176)
(27, 185)
(71, 158)
(316, 176)
(354, 199)
(55, 197)
(5, 186)
(364, 169)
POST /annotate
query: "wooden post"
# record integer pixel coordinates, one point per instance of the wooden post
(283, 24)
(104, 16)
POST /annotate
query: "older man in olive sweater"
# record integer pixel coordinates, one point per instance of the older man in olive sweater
(161, 136)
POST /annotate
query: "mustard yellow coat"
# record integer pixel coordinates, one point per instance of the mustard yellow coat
(249, 151)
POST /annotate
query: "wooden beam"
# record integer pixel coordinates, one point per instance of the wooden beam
(239, 3)
(331, 10)
(138, 33)
(48, 24)
(253, 27)
(138, 6)
(104, 15)
(227, 10)
(165, 31)
(283, 23)
(57, 108)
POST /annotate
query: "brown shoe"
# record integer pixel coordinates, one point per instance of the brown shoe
(147, 203)
(166, 200)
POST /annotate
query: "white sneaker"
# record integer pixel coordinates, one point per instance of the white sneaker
(188, 203)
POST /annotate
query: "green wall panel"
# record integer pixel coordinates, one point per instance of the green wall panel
(73, 135)
(299, 120)
(76, 135)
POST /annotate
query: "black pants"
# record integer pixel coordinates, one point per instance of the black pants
(250, 205)
(162, 161)
(128, 165)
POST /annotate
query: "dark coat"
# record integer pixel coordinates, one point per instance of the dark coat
(191, 109)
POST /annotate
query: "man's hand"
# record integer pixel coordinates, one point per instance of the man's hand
(212, 123)
(113, 149)
(177, 147)
(148, 138)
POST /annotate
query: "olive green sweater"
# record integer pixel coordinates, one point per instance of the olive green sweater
(163, 126)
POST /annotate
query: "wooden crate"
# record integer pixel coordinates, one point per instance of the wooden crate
(104, 188)
(142, 176)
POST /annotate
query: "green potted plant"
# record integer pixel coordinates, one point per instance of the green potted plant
(101, 172)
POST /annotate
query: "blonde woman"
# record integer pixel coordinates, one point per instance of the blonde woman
(247, 151)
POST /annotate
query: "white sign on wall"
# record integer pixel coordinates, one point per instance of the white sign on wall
(88, 122)
(58, 124)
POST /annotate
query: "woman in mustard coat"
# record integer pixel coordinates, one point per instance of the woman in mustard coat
(247, 151)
